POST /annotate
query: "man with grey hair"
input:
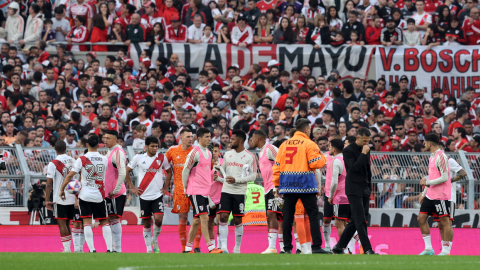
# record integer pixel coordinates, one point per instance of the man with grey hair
(179, 68)
(195, 31)
(358, 184)
(348, 116)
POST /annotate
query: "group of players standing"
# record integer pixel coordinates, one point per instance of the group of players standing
(214, 188)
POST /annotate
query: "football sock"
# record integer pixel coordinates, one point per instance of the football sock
(182, 233)
(66, 242)
(272, 238)
(351, 246)
(156, 232)
(76, 239)
(308, 232)
(428, 241)
(280, 241)
(211, 245)
(446, 247)
(357, 237)
(223, 235)
(188, 247)
(198, 236)
(87, 228)
(300, 237)
(116, 229)
(297, 240)
(238, 236)
(327, 230)
(82, 240)
(107, 235)
(147, 235)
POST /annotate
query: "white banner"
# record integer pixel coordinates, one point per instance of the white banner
(351, 62)
(451, 69)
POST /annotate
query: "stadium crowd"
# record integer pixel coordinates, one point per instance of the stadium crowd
(48, 95)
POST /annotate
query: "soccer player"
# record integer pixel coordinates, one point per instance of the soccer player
(240, 167)
(456, 174)
(267, 156)
(437, 196)
(150, 187)
(115, 191)
(92, 167)
(177, 156)
(197, 181)
(215, 191)
(63, 211)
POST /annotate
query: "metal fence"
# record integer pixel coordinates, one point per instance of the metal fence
(396, 176)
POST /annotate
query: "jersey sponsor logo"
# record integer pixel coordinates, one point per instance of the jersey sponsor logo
(180, 165)
(234, 164)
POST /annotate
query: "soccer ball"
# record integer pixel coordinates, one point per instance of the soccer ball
(74, 187)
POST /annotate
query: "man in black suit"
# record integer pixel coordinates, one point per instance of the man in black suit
(358, 184)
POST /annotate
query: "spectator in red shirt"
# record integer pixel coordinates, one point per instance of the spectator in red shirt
(428, 118)
(373, 32)
(460, 137)
(412, 139)
(462, 115)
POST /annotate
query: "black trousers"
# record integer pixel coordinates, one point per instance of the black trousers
(310, 203)
(358, 222)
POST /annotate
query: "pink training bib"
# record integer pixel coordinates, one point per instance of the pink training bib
(441, 191)
(339, 196)
(200, 179)
(111, 176)
(216, 190)
(266, 166)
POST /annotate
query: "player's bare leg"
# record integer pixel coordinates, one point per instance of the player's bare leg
(327, 230)
(447, 235)
(202, 221)
(116, 228)
(78, 236)
(280, 236)
(65, 233)
(272, 223)
(425, 229)
(211, 226)
(182, 229)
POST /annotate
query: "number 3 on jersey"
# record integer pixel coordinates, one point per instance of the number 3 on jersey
(291, 152)
(95, 172)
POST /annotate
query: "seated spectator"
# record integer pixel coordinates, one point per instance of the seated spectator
(333, 21)
(411, 37)
(60, 24)
(391, 35)
(45, 8)
(290, 15)
(196, 7)
(432, 37)
(373, 32)
(374, 11)
(135, 32)
(195, 31)
(422, 18)
(284, 34)
(208, 36)
(311, 11)
(470, 27)
(283, 5)
(321, 33)
(272, 18)
(224, 35)
(349, 7)
(337, 39)
(176, 32)
(99, 33)
(15, 23)
(444, 19)
(34, 26)
(168, 11)
(242, 34)
(263, 32)
(78, 34)
(253, 13)
(157, 35)
(117, 34)
(454, 35)
(399, 22)
(301, 30)
(353, 39)
(354, 25)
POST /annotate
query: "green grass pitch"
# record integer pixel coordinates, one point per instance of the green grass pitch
(60, 261)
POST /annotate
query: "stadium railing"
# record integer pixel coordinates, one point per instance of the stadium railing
(395, 181)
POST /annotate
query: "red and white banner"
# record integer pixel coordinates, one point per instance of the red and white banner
(350, 61)
(451, 69)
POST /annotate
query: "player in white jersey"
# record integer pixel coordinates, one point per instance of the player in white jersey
(267, 156)
(150, 188)
(92, 167)
(240, 166)
(63, 211)
(456, 173)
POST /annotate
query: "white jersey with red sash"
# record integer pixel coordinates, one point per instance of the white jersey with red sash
(421, 20)
(239, 36)
(150, 174)
(92, 167)
(311, 14)
(323, 105)
(58, 169)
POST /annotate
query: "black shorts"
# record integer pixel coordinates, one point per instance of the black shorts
(199, 205)
(342, 211)
(213, 212)
(115, 206)
(327, 208)
(436, 208)
(147, 208)
(271, 206)
(452, 211)
(63, 211)
(97, 209)
(232, 203)
(76, 217)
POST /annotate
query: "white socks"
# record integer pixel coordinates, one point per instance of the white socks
(117, 234)
(211, 245)
(428, 242)
(76, 239)
(156, 232)
(280, 241)
(446, 247)
(87, 228)
(147, 236)
(223, 235)
(107, 235)
(356, 237)
(272, 238)
(82, 240)
(297, 241)
(327, 230)
(66, 242)
(238, 236)
(351, 246)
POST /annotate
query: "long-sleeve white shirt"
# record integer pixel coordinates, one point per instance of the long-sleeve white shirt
(241, 166)
(245, 36)
(337, 169)
(119, 161)
(411, 38)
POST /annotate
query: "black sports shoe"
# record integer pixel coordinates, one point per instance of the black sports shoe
(321, 251)
(287, 252)
(197, 250)
(108, 251)
(371, 252)
(281, 252)
(298, 251)
(337, 250)
(94, 251)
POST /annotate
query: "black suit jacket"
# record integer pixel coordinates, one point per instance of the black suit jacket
(359, 173)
